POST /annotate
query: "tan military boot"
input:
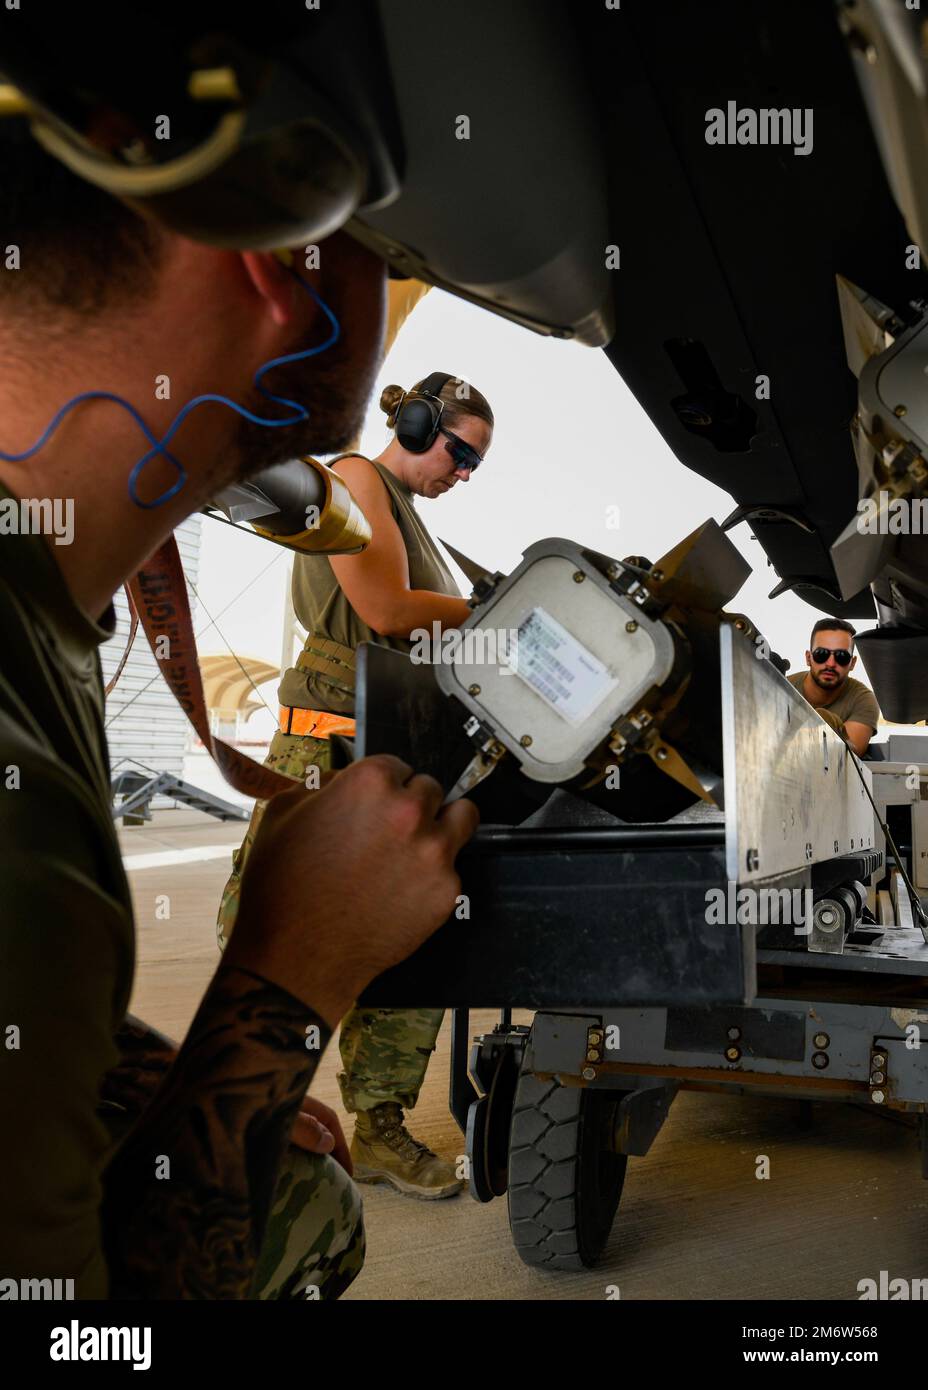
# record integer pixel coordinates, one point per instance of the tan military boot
(383, 1150)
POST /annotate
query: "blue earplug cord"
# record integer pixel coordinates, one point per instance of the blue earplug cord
(160, 446)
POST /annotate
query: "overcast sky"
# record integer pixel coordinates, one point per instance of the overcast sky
(571, 443)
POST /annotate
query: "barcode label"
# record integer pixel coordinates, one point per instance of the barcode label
(559, 668)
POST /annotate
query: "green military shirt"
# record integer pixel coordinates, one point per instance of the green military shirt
(66, 931)
(856, 702)
(322, 608)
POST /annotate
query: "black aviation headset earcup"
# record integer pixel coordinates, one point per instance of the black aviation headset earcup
(416, 425)
(418, 416)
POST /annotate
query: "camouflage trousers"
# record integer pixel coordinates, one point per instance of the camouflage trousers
(313, 1245)
(314, 1240)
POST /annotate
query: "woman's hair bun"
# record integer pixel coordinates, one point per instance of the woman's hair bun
(390, 398)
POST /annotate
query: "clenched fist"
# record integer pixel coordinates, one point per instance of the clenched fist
(344, 882)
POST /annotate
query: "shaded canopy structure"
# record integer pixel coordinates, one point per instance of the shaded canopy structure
(229, 685)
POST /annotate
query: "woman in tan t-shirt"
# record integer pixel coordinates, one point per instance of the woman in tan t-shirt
(442, 430)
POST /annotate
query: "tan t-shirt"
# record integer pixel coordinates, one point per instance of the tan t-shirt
(856, 702)
(323, 609)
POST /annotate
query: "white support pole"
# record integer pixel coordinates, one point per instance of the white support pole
(290, 625)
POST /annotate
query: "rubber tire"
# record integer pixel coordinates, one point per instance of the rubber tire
(564, 1183)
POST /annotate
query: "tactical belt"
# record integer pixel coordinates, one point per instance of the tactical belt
(324, 657)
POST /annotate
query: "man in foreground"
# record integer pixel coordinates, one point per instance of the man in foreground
(827, 684)
(103, 301)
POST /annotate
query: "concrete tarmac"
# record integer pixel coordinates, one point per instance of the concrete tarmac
(844, 1199)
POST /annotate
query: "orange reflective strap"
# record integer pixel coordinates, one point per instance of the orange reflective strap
(315, 723)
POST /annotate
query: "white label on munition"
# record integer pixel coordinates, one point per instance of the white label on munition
(559, 668)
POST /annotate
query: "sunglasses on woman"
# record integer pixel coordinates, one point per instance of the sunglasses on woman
(462, 453)
(840, 654)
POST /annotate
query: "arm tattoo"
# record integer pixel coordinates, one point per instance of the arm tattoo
(187, 1194)
(146, 1058)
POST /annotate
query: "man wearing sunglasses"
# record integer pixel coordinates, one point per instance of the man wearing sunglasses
(829, 685)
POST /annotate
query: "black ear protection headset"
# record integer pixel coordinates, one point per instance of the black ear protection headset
(277, 134)
(419, 413)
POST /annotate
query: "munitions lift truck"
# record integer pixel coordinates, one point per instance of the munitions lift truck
(602, 928)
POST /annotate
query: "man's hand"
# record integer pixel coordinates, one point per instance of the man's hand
(318, 1130)
(344, 882)
(856, 735)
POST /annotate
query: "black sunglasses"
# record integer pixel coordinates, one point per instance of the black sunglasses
(462, 453)
(841, 655)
